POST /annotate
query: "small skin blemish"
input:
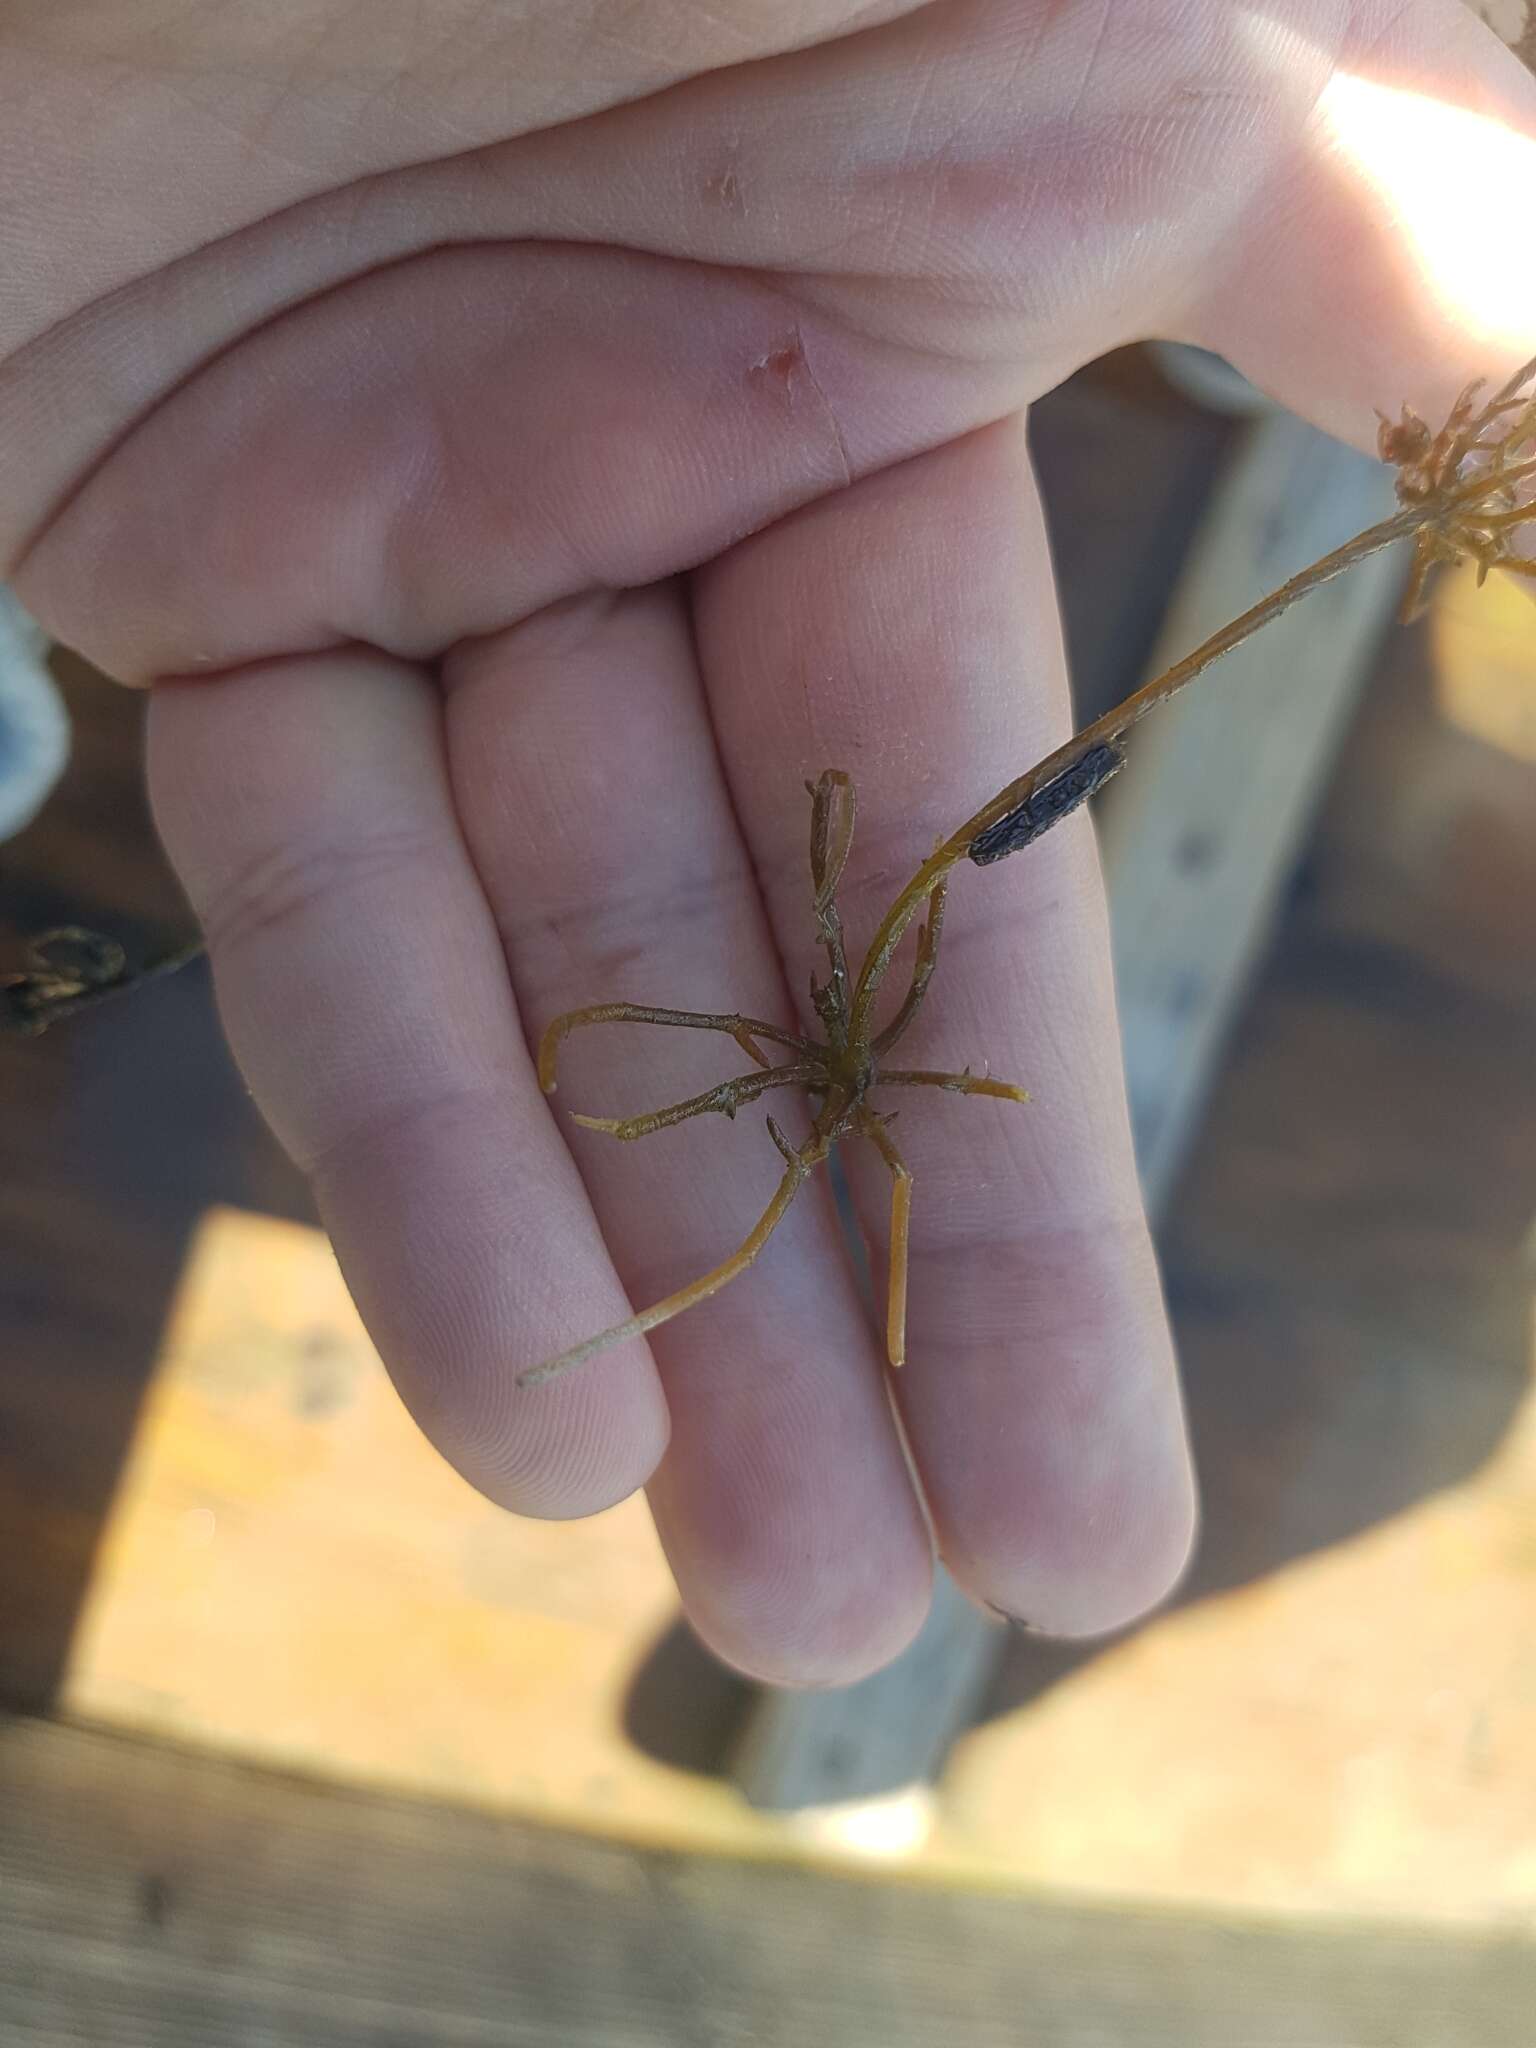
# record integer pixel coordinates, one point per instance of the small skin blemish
(780, 366)
(785, 370)
(724, 190)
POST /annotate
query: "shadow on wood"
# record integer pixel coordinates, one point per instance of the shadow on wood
(120, 1130)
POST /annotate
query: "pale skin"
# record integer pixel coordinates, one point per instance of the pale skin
(521, 444)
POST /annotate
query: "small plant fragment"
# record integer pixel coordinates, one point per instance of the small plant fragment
(71, 969)
(1468, 472)
(1463, 492)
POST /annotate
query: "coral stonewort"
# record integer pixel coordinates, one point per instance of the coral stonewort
(1464, 493)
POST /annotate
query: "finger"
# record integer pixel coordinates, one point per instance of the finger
(907, 632)
(307, 808)
(587, 779)
(659, 411)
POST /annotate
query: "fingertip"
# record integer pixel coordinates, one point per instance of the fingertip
(466, 1282)
(581, 1455)
(1107, 1555)
(815, 1647)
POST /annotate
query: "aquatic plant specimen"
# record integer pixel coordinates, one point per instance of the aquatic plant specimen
(1464, 492)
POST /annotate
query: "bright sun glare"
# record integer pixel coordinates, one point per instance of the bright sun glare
(1450, 178)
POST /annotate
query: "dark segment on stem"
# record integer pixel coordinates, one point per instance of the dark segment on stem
(1048, 805)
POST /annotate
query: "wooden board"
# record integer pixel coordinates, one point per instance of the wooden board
(1342, 1715)
(1202, 830)
(155, 1900)
(857, 1761)
(291, 1572)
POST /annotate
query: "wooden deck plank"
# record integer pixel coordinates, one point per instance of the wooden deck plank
(1200, 835)
(150, 1899)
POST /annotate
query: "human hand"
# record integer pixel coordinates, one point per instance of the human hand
(521, 446)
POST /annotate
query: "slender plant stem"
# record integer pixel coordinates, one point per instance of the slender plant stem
(800, 1164)
(732, 1023)
(726, 1097)
(1401, 525)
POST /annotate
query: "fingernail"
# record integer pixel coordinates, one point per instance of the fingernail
(1015, 1621)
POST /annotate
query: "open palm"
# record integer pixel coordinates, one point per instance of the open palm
(522, 447)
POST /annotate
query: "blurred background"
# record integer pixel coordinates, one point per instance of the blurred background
(304, 1743)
